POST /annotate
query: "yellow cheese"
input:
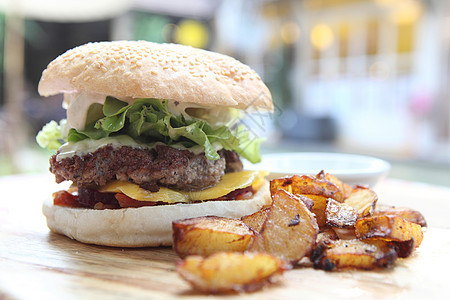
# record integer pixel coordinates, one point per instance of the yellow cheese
(229, 183)
(134, 191)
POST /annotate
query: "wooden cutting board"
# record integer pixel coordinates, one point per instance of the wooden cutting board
(37, 264)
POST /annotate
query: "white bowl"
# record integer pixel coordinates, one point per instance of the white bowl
(352, 169)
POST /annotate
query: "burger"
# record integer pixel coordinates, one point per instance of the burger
(152, 135)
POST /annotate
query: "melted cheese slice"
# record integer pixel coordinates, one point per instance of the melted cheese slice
(229, 183)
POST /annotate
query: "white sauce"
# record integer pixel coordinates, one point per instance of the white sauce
(77, 105)
(179, 108)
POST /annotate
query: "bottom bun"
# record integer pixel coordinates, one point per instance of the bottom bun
(149, 226)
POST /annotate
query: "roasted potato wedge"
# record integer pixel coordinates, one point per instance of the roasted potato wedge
(389, 228)
(340, 215)
(326, 234)
(345, 188)
(318, 189)
(319, 207)
(289, 231)
(226, 272)
(345, 233)
(307, 185)
(256, 220)
(363, 200)
(352, 254)
(403, 249)
(308, 201)
(406, 213)
(207, 235)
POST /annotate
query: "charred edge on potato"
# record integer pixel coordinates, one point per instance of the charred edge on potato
(295, 221)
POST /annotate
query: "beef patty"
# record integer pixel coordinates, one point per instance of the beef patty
(150, 168)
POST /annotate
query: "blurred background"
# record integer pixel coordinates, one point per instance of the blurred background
(353, 76)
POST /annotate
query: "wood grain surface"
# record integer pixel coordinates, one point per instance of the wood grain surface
(37, 264)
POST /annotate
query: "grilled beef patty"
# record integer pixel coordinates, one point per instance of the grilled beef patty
(149, 168)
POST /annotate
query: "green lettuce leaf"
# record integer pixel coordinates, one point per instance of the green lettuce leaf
(50, 136)
(248, 146)
(149, 120)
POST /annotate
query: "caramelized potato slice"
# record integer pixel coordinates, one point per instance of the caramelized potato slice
(289, 231)
(226, 272)
(403, 249)
(389, 228)
(307, 185)
(307, 200)
(318, 189)
(207, 235)
(363, 200)
(345, 188)
(256, 220)
(340, 215)
(326, 234)
(345, 233)
(319, 207)
(406, 213)
(332, 255)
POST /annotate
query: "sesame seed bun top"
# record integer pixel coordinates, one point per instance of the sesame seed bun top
(140, 69)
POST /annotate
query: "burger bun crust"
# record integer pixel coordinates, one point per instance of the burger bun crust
(140, 69)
